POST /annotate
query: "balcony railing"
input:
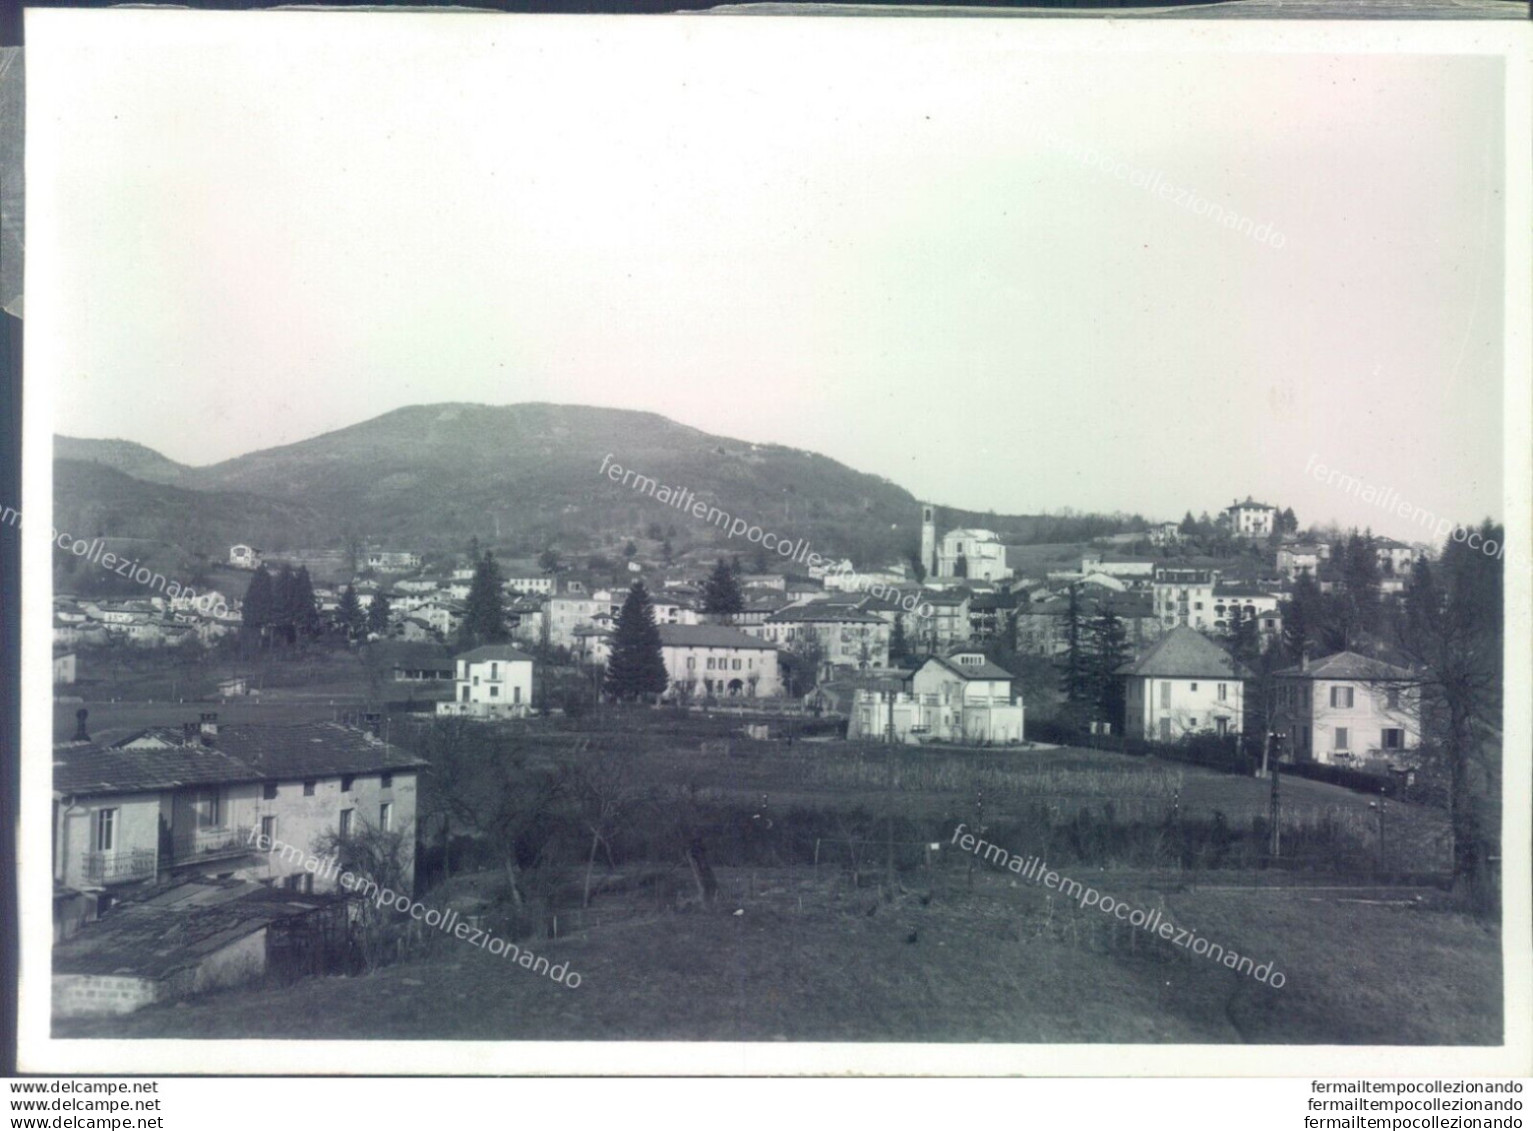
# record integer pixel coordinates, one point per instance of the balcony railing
(206, 845)
(123, 867)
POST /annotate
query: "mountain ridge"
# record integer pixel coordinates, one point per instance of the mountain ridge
(522, 477)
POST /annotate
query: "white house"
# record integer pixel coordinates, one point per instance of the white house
(1185, 596)
(530, 583)
(393, 561)
(1233, 602)
(714, 659)
(244, 557)
(1345, 708)
(1250, 519)
(1165, 534)
(1296, 557)
(1183, 685)
(1395, 558)
(491, 681)
(960, 698)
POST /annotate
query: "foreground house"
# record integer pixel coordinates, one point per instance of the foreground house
(1346, 708)
(714, 659)
(169, 803)
(959, 698)
(492, 681)
(1183, 685)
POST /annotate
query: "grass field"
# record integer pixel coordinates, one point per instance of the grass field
(834, 953)
(811, 958)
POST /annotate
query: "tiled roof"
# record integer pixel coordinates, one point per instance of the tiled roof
(493, 652)
(179, 926)
(311, 749)
(240, 752)
(1185, 653)
(985, 670)
(94, 769)
(1348, 665)
(710, 636)
(838, 614)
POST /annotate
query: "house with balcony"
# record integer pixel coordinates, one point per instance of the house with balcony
(168, 803)
(1346, 709)
(493, 681)
(1185, 597)
(961, 698)
(1185, 684)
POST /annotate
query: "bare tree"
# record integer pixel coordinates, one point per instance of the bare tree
(382, 858)
(605, 789)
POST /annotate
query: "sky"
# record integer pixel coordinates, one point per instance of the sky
(881, 240)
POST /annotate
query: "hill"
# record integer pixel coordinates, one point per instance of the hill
(121, 455)
(93, 500)
(522, 477)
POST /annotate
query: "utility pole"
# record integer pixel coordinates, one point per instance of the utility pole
(1275, 812)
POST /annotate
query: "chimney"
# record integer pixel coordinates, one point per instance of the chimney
(189, 733)
(208, 725)
(80, 733)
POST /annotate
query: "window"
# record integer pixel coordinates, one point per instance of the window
(516, 695)
(737, 665)
(269, 791)
(1342, 740)
(710, 663)
(1392, 738)
(1341, 697)
(495, 691)
(1392, 699)
(494, 671)
(269, 828)
(1194, 687)
(106, 830)
(205, 809)
(346, 783)
(345, 823)
(1192, 722)
(308, 788)
(386, 816)
(387, 782)
(1223, 687)
(1165, 694)
(1222, 725)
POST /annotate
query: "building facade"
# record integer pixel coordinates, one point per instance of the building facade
(1185, 684)
(717, 660)
(492, 681)
(1346, 709)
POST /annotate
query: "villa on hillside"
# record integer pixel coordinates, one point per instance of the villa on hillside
(958, 698)
(1183, 685)
(1346, 708)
